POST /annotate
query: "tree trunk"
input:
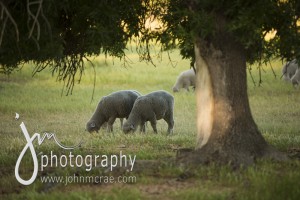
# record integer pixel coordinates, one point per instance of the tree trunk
(227, 132)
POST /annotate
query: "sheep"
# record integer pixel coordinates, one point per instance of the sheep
(151, 107)
(115, 105)
(296, 78)
(289, 70)
(185, 80)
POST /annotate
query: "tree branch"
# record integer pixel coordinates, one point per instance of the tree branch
(35, 18)
(253, 81)
(36, 24)
(4, 11)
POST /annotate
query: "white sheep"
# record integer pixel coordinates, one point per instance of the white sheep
(296, 78)
(151, 107)
(185, 80)
(110, 107)
(289, 70)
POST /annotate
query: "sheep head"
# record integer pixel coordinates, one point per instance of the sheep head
(91, 126)
(129, 127)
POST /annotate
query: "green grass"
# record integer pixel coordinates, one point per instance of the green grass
(38, 100)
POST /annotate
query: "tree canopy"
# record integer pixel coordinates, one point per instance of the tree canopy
(60, 34)
(249, 21)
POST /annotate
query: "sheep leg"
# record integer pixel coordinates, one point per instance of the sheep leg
(170, 122)
(104, 125)
(153, 124)
(186, 86)
(110, 123)
(142, 127)
(170, 126)
(121, 122)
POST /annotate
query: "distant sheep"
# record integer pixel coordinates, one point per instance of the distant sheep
(151, 107)
(185, 80)
(115, 105)
(296, 78)
(289, 70)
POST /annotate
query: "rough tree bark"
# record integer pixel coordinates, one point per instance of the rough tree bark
(227, 132)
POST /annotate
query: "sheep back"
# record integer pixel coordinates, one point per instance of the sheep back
(118, 104)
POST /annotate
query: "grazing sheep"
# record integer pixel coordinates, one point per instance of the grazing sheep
(115, 105)
(151, 107)
(185, 80)
(289, 70)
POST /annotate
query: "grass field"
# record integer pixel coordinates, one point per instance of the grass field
(275, 107)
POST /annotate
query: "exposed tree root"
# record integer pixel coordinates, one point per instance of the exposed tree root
(227, 156)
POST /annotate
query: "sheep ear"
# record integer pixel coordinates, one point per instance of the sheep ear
(93, 125)
(132, 126)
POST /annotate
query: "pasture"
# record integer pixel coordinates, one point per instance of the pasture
(275, 106)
